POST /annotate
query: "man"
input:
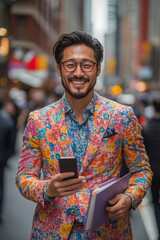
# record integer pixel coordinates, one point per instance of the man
(151, 133)
(6, 147)
(98, 132)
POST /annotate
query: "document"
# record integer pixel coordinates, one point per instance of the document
(96, 214)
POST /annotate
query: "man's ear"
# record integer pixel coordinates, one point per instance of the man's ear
(98, 69)
(59, 70)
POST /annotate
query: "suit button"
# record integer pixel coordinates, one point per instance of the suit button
(72, 212)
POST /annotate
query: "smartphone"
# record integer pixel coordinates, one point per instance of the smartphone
(68, 164)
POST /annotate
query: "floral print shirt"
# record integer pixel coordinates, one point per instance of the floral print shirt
(79, 134)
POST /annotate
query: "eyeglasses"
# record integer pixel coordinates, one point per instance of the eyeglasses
(86, 66)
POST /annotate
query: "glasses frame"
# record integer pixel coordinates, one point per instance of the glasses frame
(76, 63)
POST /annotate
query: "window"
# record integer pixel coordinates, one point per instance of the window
(21, 32)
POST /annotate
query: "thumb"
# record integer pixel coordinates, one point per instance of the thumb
(114, 200)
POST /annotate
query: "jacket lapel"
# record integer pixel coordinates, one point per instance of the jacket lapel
(102, 118)
(59, 129)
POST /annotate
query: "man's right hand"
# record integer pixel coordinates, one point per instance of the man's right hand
(58, 187)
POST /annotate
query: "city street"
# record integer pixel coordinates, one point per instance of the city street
(18, 211)
(53, 47)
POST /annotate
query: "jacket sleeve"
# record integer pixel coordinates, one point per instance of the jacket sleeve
(136, 158)
(28, 178)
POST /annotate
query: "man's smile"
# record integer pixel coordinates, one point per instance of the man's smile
(78, 80)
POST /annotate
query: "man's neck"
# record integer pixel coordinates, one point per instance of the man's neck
(78, 105)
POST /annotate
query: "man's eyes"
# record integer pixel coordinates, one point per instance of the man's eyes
(87, 65)
(70, 65)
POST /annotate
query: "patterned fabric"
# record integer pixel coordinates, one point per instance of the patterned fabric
(46, 198)
(106, 231)
(46, 139)
(79, 135)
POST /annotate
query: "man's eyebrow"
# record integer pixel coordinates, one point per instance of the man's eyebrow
(74, 60)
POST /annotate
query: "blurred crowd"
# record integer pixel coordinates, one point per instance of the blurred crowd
(147, 110)
(15, 110)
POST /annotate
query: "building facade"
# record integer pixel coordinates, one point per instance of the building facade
(35, 25)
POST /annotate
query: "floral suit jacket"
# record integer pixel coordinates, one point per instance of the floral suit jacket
(45, 140)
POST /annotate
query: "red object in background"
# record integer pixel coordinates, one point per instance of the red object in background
(32, 65)
(15, 60)
(142, 120)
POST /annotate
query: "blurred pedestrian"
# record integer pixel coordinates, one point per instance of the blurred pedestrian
(36, 100)
(13, 111)
(151, 133)
(98, 132)
(6, 147)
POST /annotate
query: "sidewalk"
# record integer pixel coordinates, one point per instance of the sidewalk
(18, 212)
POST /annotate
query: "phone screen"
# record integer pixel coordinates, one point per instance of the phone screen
(68, 164)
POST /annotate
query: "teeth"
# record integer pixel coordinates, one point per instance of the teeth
(81, 82)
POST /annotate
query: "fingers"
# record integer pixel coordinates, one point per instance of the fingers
(114, 200)
(121, 213)
(68, 185)
(120, 206)
(58, 187)
(62, 176)
(63, 193)
(63, 181)
(114, 212)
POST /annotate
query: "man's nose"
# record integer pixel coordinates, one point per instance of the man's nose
(78, 70)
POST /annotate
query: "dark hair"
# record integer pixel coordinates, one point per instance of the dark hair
(74, 38)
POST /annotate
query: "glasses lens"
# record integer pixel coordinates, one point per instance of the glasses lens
(87, 66)
(69, 66)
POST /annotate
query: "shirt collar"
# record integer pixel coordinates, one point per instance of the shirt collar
(90, 107)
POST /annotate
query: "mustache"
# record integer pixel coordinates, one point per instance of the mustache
(70, 79)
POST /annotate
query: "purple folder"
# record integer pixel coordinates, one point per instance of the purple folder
(96, 213)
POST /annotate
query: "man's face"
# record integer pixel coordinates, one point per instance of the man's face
(78, 83)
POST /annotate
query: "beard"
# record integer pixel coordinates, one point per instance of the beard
(79, 94)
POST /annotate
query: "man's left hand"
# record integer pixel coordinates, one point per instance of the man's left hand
(119, 206)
